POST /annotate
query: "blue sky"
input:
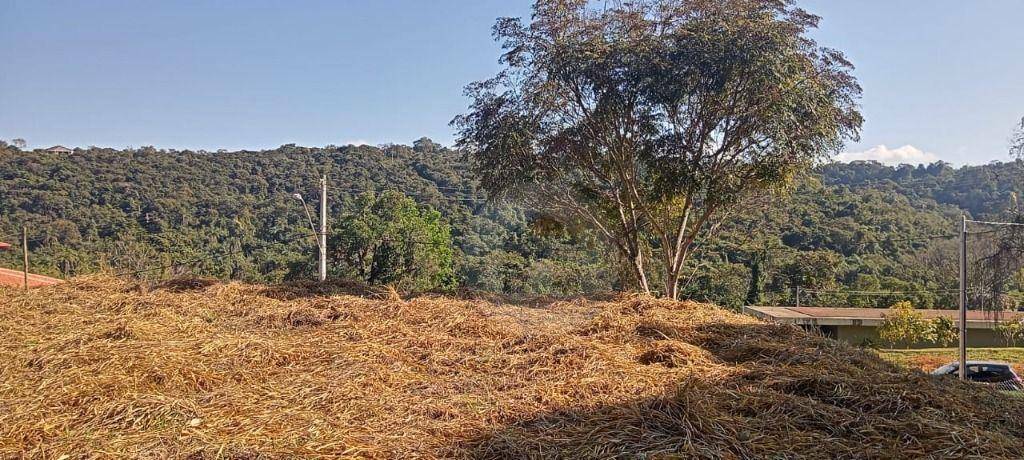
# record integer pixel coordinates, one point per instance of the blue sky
(942, 79)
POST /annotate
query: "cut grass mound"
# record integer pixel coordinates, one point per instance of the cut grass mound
(100, 367)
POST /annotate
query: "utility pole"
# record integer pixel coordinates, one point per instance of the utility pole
(323, 228)
(963, 299)
(321, 235)
(798, 296)
(24, 250)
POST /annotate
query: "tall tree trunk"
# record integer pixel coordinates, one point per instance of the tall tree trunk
(674, 255)
(672, 284)
(637, 259)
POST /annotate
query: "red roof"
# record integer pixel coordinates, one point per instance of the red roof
(5, 246)
(877, 313)
(16, 278)
(831, 316)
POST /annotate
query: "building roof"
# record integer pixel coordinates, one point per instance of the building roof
(16, 278)
(826, 316)
(58, 148)
(5, 246)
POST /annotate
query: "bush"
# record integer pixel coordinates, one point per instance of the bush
(903, 325)
(563, 278)
(1012, 331)
(497, 271)
(944, 332)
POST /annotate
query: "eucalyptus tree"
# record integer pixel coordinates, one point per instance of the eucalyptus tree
(651, 121)
(1017, 142)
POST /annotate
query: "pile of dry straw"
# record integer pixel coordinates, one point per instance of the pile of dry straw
(108, 368)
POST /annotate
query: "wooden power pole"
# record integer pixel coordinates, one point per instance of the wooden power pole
(24, 250)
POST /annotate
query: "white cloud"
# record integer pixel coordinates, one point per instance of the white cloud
(908, 154)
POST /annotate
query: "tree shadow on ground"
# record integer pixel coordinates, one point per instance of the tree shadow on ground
(782, 394)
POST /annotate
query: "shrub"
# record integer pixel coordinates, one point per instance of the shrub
(944, 332)
(903, 325)
(1012, 331)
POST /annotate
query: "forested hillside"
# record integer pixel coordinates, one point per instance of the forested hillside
(138, 211)
(157, 213)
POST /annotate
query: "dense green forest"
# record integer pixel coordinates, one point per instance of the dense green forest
(844, 233)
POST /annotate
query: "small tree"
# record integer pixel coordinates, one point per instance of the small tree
(944, 332)
(389, 239)
(754, 291)
(647, 122)
(1012, 331)
(904, 325)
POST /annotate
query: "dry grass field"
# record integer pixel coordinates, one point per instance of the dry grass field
(107, 368)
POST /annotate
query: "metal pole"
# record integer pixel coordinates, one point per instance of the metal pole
(24, 250)
(963, 299)
(798, 296)
(323, 228)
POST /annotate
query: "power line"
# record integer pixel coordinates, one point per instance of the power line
(919, 239)
(241, 251)
(388, 240)
(209, 257)
(462, 198)
(999, 224)
(861, 292)
(986, 232)
(879, 293)
(128, 224)
(18, 239)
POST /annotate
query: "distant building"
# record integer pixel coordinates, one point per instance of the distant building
(5, 246)
(859, 326)
(59, 149)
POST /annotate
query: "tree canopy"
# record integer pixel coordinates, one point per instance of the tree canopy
(646, 122)
(157, 213)
(389, 239)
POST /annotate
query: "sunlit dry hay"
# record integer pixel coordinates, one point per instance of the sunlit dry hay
(102, 368)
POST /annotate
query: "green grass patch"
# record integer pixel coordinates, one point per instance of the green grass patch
(927, 359)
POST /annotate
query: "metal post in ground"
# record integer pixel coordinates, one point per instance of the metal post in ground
(963, 300)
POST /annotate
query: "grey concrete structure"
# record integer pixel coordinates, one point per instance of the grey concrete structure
(859, 326)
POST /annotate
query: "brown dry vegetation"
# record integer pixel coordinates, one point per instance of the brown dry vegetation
(106, 368)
